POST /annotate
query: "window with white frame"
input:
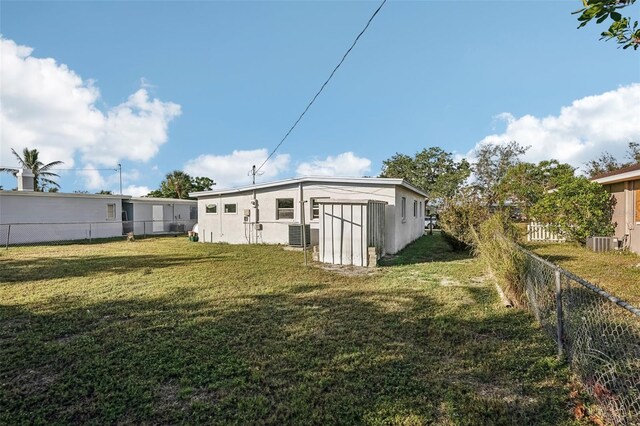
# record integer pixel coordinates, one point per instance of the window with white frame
(284, 208)
(111, 212)
(231, 208)
(315, 207)
(415, 208)
(421, 211)
(403, 208)
(211, 208)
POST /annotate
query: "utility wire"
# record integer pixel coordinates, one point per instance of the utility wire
(323, 85)
(57, 169)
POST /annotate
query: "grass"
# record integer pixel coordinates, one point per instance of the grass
(166, 331)
(618, 273)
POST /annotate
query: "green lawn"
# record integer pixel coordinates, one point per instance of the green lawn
(615, 272)
(167, 331)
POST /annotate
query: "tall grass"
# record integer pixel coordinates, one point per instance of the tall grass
(496, 248)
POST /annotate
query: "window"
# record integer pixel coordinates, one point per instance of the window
(420, 208)
(284, 208)
(211, 208)
(193, 213)
(315, 207)
(637, 191)
(111, 211)
(231, 208)
(415, 208)
(403, 208)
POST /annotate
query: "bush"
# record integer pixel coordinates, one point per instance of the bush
(578, 209)
(498, 250)
(461, 217)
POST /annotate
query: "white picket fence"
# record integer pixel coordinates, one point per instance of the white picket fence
(542, 232)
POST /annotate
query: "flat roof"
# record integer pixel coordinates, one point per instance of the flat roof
(161, 200)
(621, 175)
(63, 195)
(312, 179)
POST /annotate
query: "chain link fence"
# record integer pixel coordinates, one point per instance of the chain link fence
(27, 234)
(598, 334)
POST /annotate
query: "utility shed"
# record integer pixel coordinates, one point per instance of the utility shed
(348, 228)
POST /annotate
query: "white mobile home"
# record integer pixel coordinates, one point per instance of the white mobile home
(29, 217)
(147, 215)
(266, 213)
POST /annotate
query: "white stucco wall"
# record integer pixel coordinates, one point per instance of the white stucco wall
(173, 212)
(41, 217)
(224, 227)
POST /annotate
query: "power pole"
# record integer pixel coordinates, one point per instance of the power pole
(120, 171)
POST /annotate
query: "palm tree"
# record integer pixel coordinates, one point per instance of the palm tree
(177, 184)
(41, 171)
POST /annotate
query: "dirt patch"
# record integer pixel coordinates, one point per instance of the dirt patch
(348, 270)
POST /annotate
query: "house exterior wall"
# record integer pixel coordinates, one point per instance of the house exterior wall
(626, 213)
(173, 212)
(43, 217)
(231, 228)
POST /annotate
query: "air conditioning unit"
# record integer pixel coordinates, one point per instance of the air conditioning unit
(600, 244)
(295, 235)
(254, 203)
(258, 227)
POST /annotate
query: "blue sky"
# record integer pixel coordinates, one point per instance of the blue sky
(233, 76)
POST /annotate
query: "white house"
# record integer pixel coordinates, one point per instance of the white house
(263, 213)
(147, 215)
(27, 216)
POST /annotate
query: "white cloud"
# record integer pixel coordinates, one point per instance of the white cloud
(134, 190)
(46, 105)
(232, 169)
(345, 164)
(605, 122)
(92, 178)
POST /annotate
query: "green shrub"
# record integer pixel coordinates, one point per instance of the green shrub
(578, 208)
(461, 217)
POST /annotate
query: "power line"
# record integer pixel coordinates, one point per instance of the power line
(113, 169)
(323, 85)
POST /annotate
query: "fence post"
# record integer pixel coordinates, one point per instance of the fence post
(8, 236)
(144, 229)
(89, 233)
(559, 320)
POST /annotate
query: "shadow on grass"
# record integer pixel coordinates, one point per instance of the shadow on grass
(44, 268)
(303, 356)
(428, 248)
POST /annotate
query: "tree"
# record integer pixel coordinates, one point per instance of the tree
(433, 170)
(178, 184)
(200, 183)
(491, 166)
(623, 29)
(633, 152)
(526, 183)
(608, 163)
(41, 172)
(578, 208)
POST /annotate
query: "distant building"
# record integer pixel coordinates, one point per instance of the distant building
(624, 185)
(27, 216)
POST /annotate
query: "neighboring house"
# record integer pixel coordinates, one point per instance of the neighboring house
(263, 213)
(29, 217)
(624, 185)
(146, 215)
(53, 216)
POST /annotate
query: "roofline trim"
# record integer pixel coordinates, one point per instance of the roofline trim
(306, 179)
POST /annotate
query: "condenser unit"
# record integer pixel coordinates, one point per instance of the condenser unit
(600, 244)
(295, 234)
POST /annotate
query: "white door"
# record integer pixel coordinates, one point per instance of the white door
(158, 217)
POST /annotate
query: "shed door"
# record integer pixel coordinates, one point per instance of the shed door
(158, 217)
